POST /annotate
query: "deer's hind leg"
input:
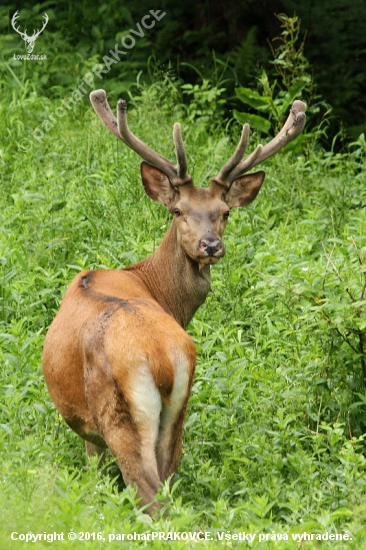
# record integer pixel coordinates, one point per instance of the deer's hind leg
(173, 414)
(127, 410)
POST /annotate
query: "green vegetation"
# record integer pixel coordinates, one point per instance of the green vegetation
(274, 440)
(274, 443)
(275, 98)
(239, 36)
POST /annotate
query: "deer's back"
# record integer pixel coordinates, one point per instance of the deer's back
(110, 330)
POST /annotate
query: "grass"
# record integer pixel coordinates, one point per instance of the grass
(274, 439)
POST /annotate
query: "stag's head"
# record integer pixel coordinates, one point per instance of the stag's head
(29, 40)
(200, 214)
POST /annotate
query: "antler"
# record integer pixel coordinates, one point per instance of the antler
(177, 175)
(37, 33)
(236, 167)
(14, 18)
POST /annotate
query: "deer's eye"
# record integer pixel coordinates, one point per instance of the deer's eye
(226, 215)
(177, 212)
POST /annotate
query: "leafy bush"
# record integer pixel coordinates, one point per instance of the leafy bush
(296, 82)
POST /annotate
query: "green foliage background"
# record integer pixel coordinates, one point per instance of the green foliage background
(197, 40)
(274, 441)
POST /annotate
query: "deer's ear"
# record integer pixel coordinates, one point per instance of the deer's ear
(244, 189)
(157, 185)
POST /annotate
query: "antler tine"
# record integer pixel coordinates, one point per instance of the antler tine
(182, 164)
(14, 18)
(139, 146)
(119, 127)
(44, 24)
(236, 158)
(236, 167)
(293, 126)
(99, 101)
(177, 174)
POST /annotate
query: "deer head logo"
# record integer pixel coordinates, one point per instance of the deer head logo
(29, 40)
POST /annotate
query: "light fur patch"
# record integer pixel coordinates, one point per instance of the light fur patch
(179, 393)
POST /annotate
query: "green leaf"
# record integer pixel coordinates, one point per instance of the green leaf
(7, 428)
(292, 93)
(255, 121)
(40, 408)
(252, 98)
(341, 513)
(57, 206)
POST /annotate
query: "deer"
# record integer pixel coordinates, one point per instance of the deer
(117, 360)
(29, 40)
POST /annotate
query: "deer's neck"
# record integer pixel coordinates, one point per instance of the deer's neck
(175, 281)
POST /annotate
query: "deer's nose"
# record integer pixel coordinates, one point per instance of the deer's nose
(211, 245)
